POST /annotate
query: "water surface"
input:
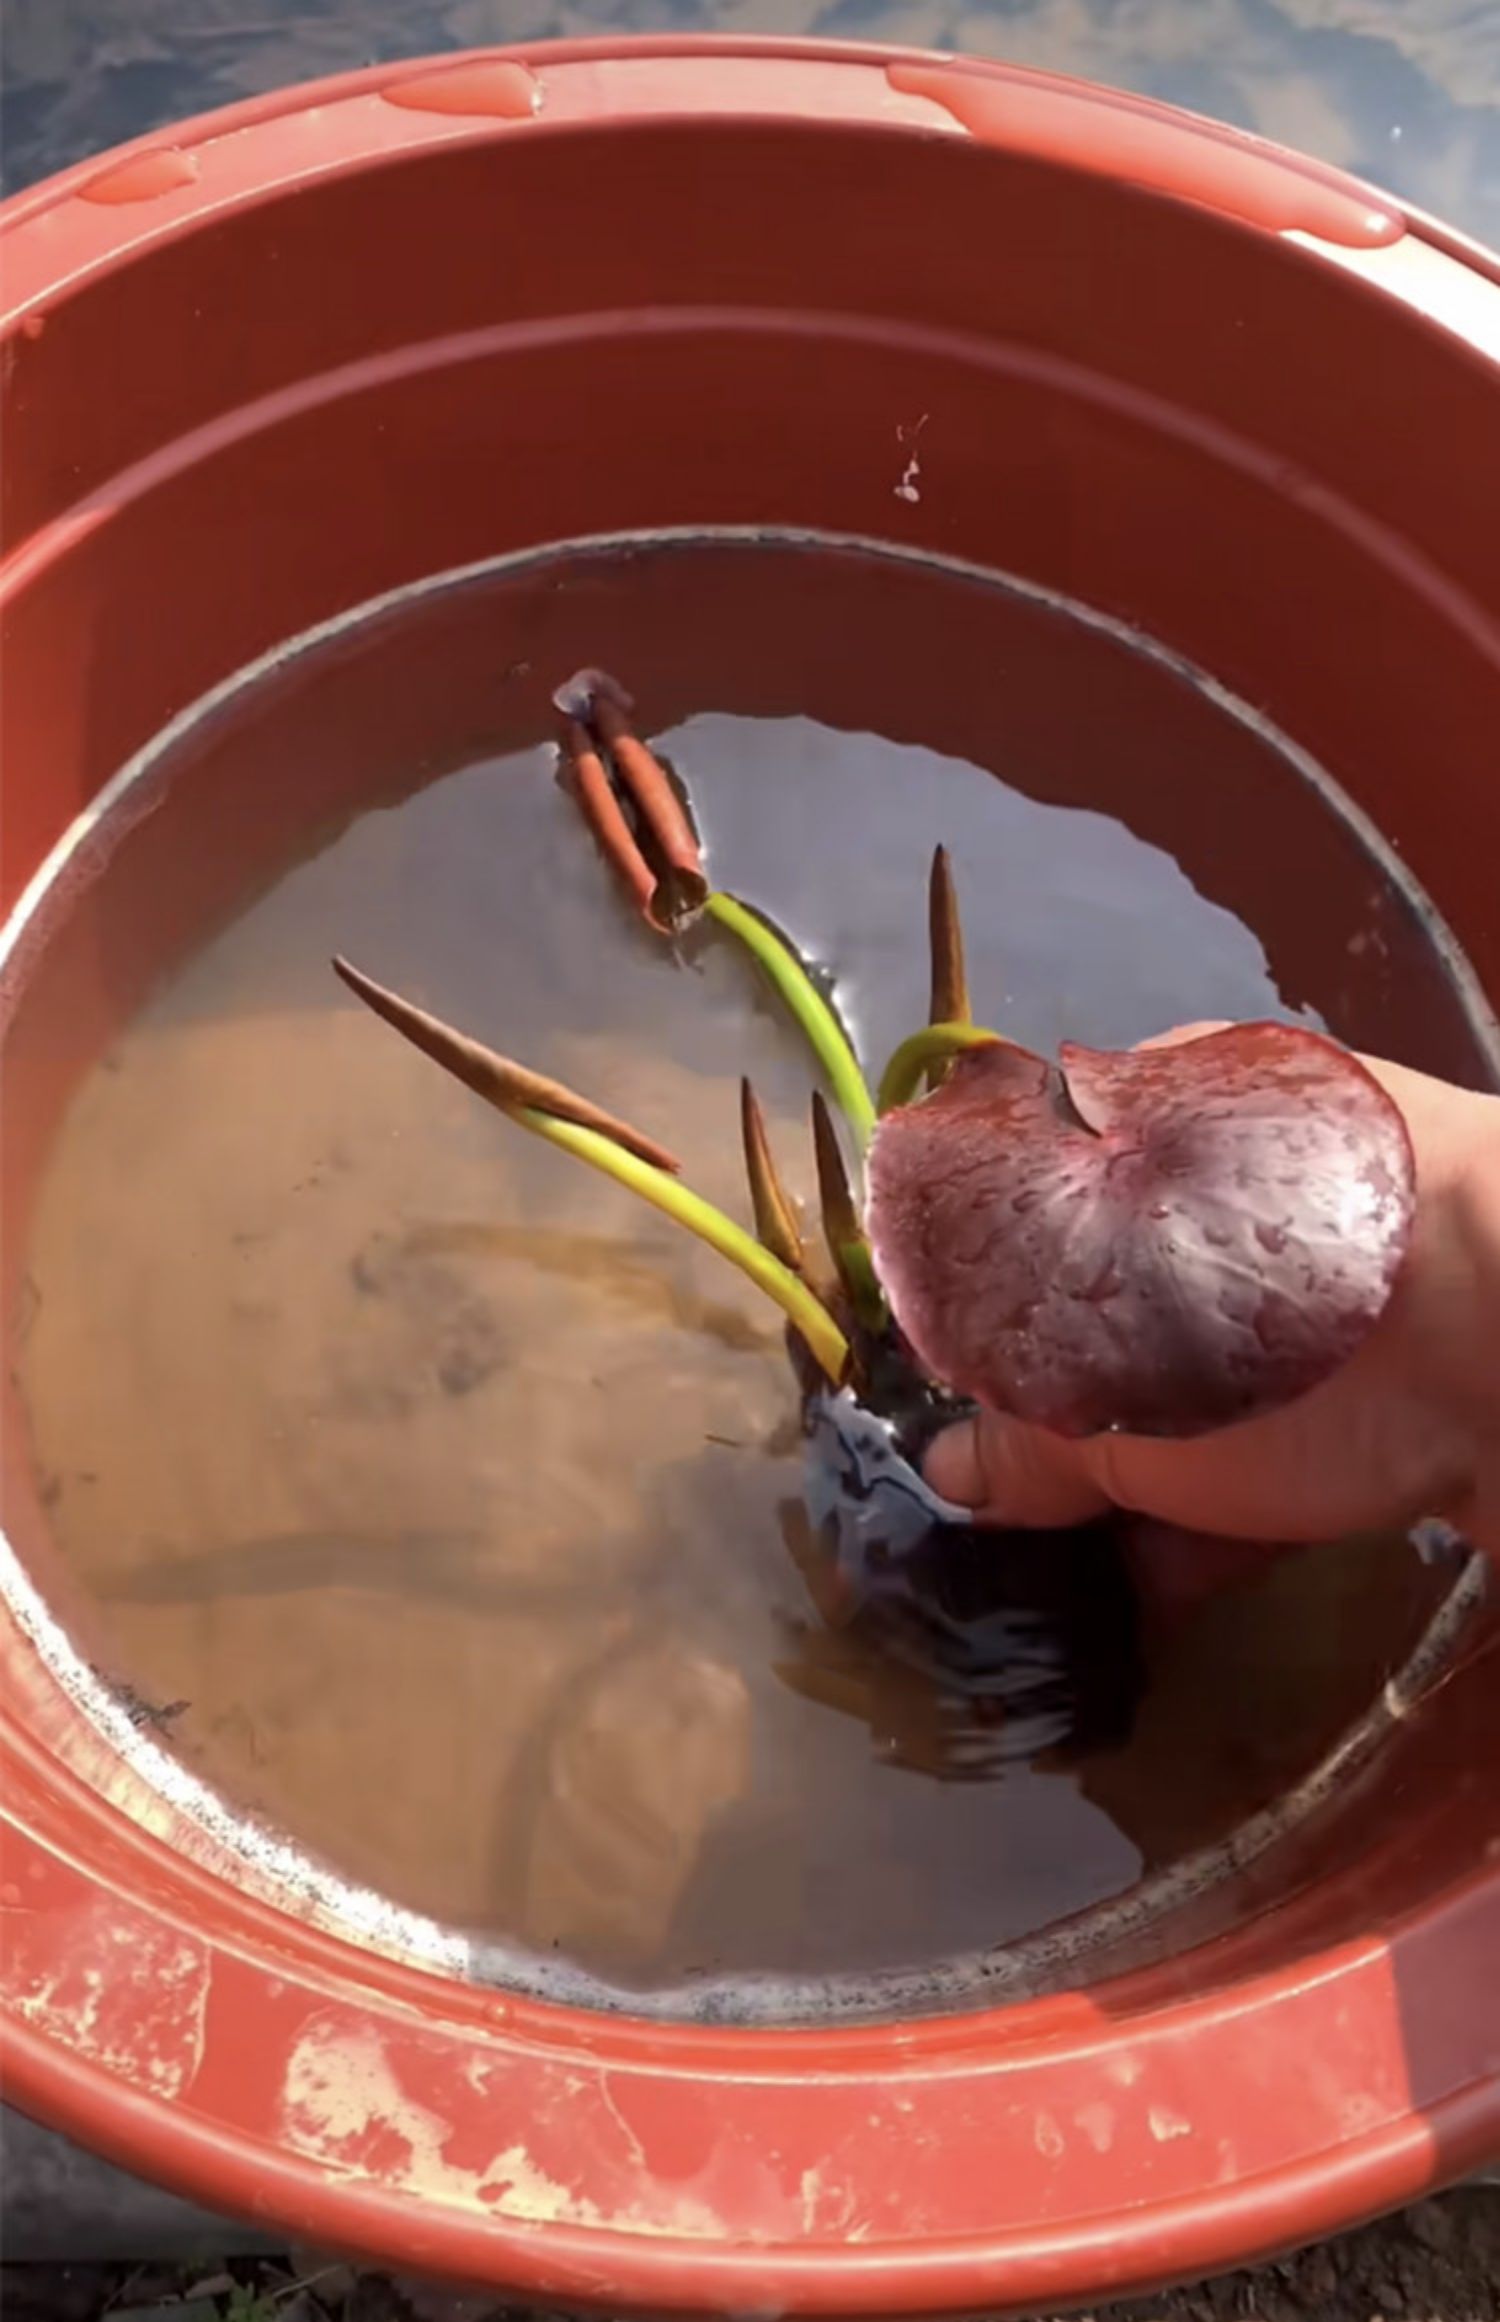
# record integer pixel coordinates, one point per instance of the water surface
(450, 1505)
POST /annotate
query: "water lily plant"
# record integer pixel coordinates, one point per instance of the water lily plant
(1157, 1241)
(1160, 1241)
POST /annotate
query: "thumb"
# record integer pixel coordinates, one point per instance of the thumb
(1009, 1473)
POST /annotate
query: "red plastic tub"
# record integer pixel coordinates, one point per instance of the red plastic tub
(328, 343)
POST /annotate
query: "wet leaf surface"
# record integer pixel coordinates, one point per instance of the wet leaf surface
(1161, 1241)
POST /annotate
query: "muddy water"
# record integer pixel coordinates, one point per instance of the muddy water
(447, 1501)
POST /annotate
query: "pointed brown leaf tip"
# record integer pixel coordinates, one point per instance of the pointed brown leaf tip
(502, 1083)
(1159, 1242)
(840, 1216)
(950, 987)
(842, 1230)
(775, 1219)
(949, 1003)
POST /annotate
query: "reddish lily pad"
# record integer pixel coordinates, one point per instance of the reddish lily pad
(1157, 1242)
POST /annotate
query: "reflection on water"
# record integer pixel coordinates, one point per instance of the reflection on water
(1407, 94)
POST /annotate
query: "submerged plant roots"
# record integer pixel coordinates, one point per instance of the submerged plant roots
(1159, 1242)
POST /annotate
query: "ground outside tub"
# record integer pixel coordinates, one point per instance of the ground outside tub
(304, 352)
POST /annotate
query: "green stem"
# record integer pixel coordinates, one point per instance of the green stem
(934, 1044)
(668, 1194)
(824, 1032)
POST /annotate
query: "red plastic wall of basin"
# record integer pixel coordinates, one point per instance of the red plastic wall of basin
(330, 343)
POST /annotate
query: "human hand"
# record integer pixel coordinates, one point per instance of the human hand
(1409, 1427)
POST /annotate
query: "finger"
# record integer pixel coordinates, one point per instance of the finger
(1012, 1474)
(954, 1465)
